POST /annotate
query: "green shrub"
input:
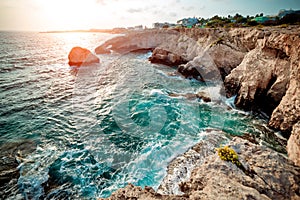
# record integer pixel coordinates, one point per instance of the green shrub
(228, 154)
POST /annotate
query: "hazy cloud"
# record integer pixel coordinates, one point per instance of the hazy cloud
(173, 14)
(145, 9)
(155, 12)
(188, 8)
(102, 2)
(134, 10)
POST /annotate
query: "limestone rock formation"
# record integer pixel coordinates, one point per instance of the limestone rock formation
(198, 47)
(293, 146)
(80, 56)
(103, 50)
(260, 80)
(135, 41)
(260, 66)
(265, 174)
(263, 76)
(268, 80)
(134, 192)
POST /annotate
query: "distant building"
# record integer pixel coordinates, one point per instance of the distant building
(139, 27)
(163, 25)
(188, 22)
(265, 19)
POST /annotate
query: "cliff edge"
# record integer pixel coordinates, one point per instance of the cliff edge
(261, 66)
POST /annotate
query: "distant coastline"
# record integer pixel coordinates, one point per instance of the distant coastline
(111, 31)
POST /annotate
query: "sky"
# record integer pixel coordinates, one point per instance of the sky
(49, 15)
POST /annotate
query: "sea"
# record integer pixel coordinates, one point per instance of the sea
(99, 127)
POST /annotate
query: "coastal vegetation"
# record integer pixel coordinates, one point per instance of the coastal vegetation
(228, 154)
(284, 17)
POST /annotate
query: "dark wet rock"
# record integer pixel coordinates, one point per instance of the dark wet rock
(190, 96)
(190, 72)
(165, 57)
(204, 96)
(80, 56)
(11, 155)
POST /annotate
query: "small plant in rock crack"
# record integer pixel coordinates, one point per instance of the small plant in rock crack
(228, 154)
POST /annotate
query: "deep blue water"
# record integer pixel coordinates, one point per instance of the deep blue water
(102, 126)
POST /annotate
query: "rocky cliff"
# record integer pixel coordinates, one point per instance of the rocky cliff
(268, 79)
(259, 65)
(262, 68)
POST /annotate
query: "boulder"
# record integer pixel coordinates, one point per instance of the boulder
(80, 56)
(204, 96)
(165, 57)
(191, 96)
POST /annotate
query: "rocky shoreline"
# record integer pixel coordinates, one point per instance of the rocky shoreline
(268, 175)
(261, 66)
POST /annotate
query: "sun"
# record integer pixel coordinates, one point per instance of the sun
(69, 14)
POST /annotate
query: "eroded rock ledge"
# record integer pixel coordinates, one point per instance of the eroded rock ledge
(269, 175)
(260, 66)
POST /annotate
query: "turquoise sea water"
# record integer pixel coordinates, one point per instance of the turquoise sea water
(102, 126)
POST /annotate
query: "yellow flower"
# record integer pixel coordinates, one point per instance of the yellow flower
(228, 154)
